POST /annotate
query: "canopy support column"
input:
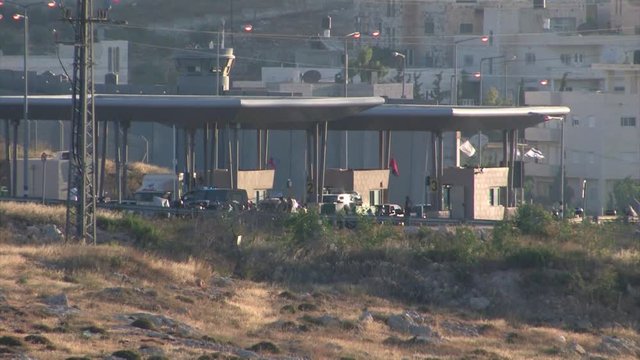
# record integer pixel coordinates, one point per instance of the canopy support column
(205, 149)
(259, 149)
(438, 168)
(125, 155)
(214, 148)
(7, 137)
(14, 158)
(229, 155)
(512, 160)
(191, 158)
(316, 160)
(118, 160)
(325, 134)
(308, 158)
(266, 146)
(236, 140)
(103, 157)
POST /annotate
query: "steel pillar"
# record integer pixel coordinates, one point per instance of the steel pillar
(118, 160)
(103, 160)
(14, 159)
(205, 147)
(7, 138)
(125, 157)
(230, 156)
(259, 149)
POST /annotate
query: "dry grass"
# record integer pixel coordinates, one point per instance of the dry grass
(245, 316)
(106, 282)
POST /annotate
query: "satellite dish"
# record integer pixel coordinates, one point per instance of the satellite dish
(311, 76)
(479, 140)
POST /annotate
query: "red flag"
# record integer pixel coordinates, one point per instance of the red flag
(393, 164)
(271, 163)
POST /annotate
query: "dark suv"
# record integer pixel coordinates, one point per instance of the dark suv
(216, 199)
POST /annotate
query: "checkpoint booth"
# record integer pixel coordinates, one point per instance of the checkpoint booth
(475, 193)
(255, 182)
(371, 184)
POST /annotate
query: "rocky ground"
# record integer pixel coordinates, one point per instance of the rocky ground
(113, 301)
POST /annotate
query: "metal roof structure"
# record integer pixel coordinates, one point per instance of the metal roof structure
(447, 118)
(351, 113)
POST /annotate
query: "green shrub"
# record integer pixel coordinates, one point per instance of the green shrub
(504, 239)
(533, 219)
(10, 341)
(531, 257)
(463, 247)
(143, 323)
(127, 354)
(144, 231)
(305, 226)
(369, 233)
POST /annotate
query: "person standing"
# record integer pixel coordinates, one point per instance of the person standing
(407, 207)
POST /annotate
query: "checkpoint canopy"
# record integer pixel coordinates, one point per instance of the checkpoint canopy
(284, 113)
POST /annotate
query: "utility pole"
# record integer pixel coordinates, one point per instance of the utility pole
(81, 206)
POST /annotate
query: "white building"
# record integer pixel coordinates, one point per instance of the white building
(110, 56)
(602, 139)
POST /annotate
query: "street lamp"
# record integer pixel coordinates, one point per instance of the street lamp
(481, 61)
(404, 67)
(506, 64)
(484, 39)
(354, 35)
(24, 8)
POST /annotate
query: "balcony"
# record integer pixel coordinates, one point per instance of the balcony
(541, 170)
(542, 135)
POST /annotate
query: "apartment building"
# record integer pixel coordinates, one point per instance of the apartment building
(110, 57)
(602, 141)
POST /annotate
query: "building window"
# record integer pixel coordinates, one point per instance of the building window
(391, 8)
(563, 24)
(591, 121)
(428, 60)
(629, 157)
(591, 157)
(193, 69)
(466, 28)
(575, 121)
(628, 121)
(468, 60)
(429, 27)
(530, 58)
(578, 58)
(565, 59)
(494, 196)
(113, 59)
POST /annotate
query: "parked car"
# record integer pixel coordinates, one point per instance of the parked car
(216, 199)
(279, 204)
(419, 211)
(334, 203)
(392, 210)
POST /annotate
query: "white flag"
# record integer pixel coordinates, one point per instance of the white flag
(467, 148)
(534, 153)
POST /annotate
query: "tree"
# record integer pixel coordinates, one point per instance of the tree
(521, 98)
(417, 91)
(436, 93)
(366, 64)
(492, 98)
(625, 192)
(563, 81)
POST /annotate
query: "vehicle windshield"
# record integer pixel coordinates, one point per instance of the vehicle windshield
(330, 198)
(147, 196)
(220, 195)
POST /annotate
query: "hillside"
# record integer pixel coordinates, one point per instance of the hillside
(292, 289)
